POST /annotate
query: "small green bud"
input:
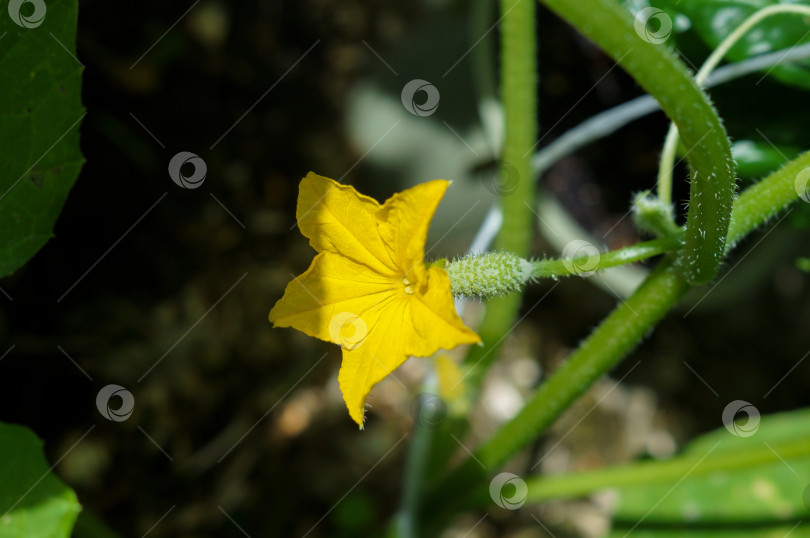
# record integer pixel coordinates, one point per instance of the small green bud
(488, 275)
(653, 216)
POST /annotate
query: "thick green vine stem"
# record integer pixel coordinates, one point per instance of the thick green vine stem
(519, 97)
(620, 332)
(671, 143)
(763, 200)
(664, 77)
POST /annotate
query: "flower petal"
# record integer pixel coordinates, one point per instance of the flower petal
(338, 219)
(334, 295)
(379, 354)
(405, 219)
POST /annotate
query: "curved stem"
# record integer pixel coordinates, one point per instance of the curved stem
(664, 184)
(662, 75)
(624, 281)
(671, 143)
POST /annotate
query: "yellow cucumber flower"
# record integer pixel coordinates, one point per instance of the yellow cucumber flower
(369, 289)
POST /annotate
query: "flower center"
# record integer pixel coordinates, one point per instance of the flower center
(408, 286)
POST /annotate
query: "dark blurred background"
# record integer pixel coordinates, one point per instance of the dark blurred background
(239, 428)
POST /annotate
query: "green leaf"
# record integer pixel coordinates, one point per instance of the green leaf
(33, 501)
(713, 20)
(748, 501)
(40, 113)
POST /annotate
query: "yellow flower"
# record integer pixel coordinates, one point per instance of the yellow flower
(368, 289)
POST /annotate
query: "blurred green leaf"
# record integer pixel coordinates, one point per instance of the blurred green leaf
(772, 429)
(713, 20)
(776, 531)
(33, 501)
(764, 500)
(758, 159)
(40, 113)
